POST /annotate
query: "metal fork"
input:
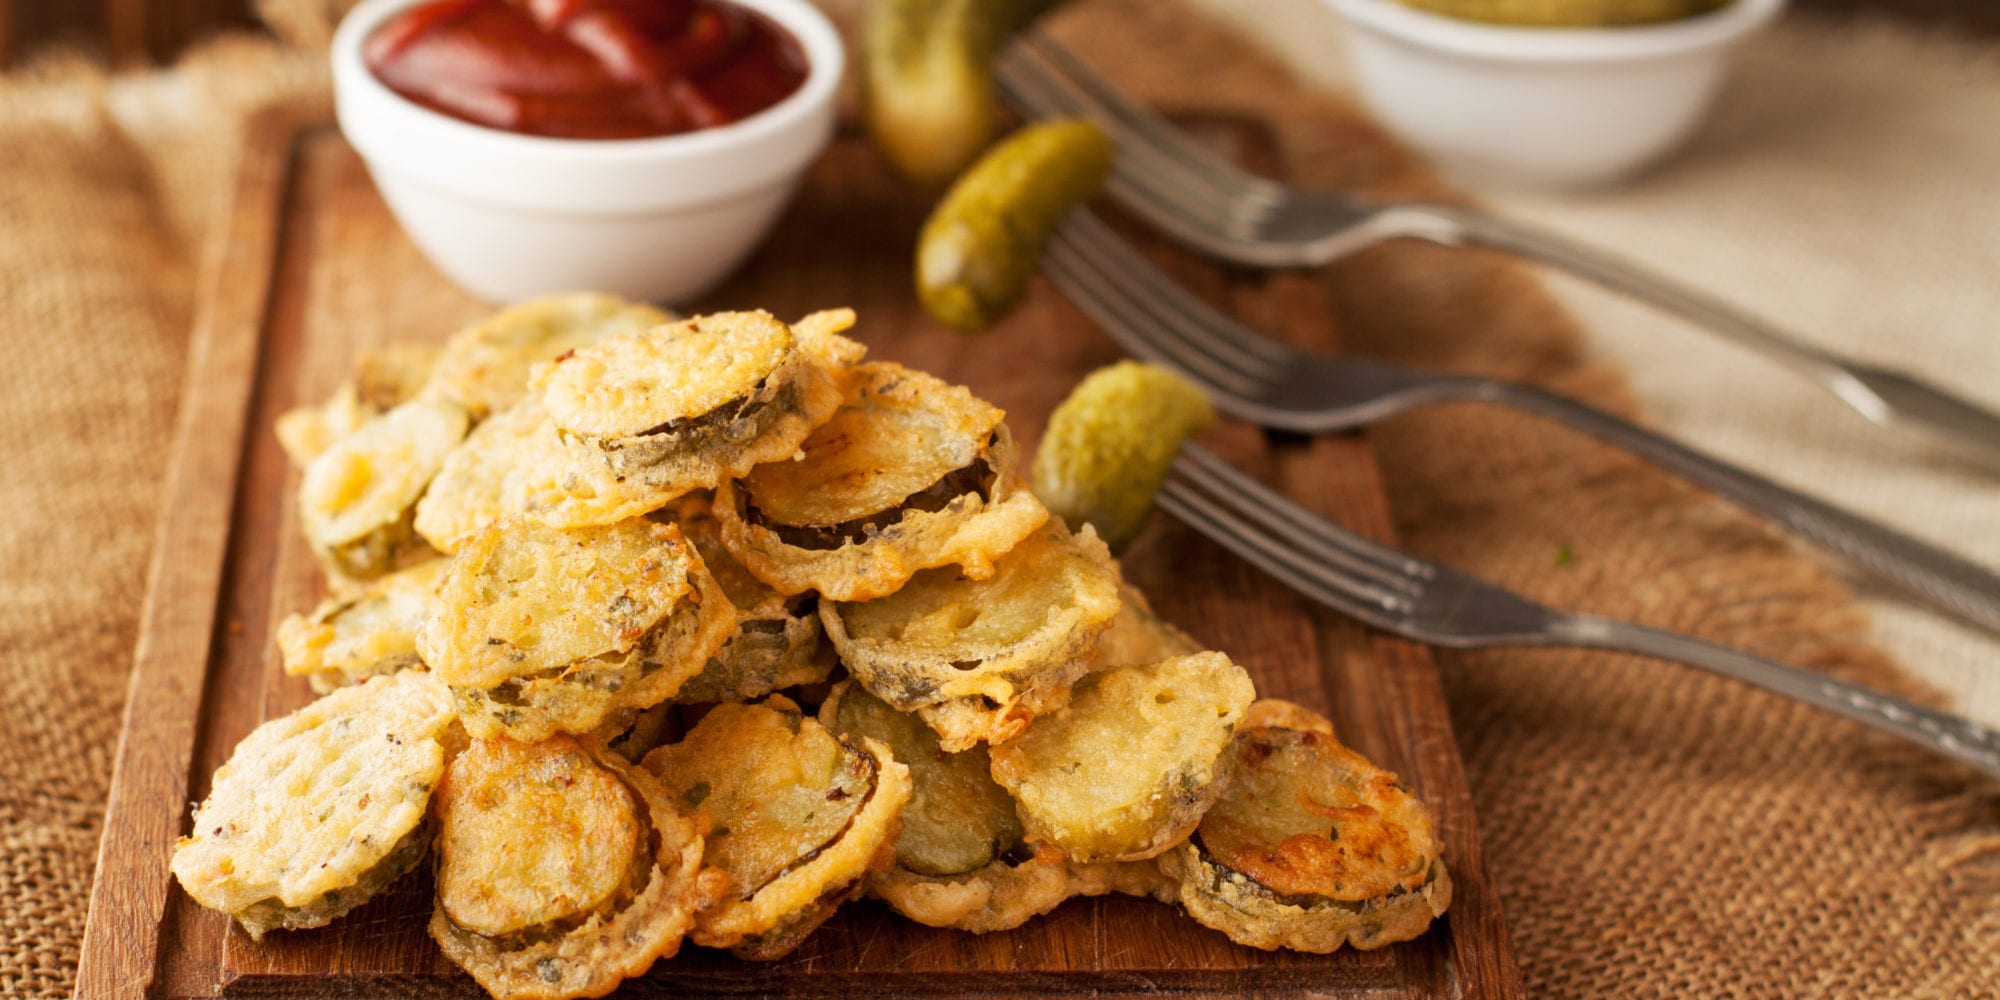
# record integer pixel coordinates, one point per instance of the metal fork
(1274, 384)
(1205, 202)
(1421, 600)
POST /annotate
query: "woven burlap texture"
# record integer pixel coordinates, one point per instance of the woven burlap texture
(1653, 832)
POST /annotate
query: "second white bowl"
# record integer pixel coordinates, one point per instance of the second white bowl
(1552, 107)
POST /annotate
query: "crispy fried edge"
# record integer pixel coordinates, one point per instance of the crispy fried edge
(969, 531)
(644, 490)
(996, 698)
(666, 908)
(1002, 896)
(715, 622)
(1184, 809)
(778, 916)
(1252, 914)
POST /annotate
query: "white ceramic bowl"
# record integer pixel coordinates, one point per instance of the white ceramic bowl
(1548, 107)
(509, 216)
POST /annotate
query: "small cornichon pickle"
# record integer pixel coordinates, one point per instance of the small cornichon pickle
(983, 241)
(928, 80)
(1569, 13)
(1109, 444)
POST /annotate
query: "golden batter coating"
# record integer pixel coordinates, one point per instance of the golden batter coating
(957, 820)
(383, 380)
(542, 630)
(683, 406)
(960, 860)
(978, 659)
(1311, 847)
(797, 817)
(911, 473)
(1138, 635)
(350, 638)
(1008, 893)
(485, 366)
(562, 870)
(1127, 768)
(316, 811)
(777, 643)
(487, 478)
(357, 499)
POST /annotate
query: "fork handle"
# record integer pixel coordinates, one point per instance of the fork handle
(1938, 577)
(1881, 395)
(1951, 735)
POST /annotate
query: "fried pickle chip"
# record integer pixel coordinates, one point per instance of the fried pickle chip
(317, 811)
(798, 817)
(541, 630)
(911, 473)
(1310, 847)
(776, 644)
(485, 367)
(961, 860)
(1127, 768)
(684, 405)
(350, 638)
(357, 498)
(487, 478)
(978, 659)
(383, 380)
(562, 870)
(1138, 635)
(306, 431)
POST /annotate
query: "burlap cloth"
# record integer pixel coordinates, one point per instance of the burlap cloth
(1652, 831)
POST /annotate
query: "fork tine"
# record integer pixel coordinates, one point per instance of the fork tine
(1202, 466)
(1169, 143)
(1027, 79)
(1309, 534)
(1123, 310)
(1176, 308)
(1351, 595)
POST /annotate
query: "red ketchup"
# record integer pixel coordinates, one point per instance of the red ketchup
(588, 69)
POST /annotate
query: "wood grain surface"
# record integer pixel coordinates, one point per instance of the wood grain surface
(313, 270)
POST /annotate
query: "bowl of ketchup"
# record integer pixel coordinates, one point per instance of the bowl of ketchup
(640, 147)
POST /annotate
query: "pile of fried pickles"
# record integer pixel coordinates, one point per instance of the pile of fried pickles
(588, 565)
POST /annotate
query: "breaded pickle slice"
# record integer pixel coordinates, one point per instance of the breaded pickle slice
(1127, 768)
(777, 640)
(487, 478)
(1138, 635)
(1010, 892)
(383, 380)
(562, 870)
(350, 638)
(358, 498)
(979, 658)
(961, 861)
(485, 366)
(541, 630)
(911, 473)
(1310, 847)
(315, 812)
(957, 820)
(797, 817)
(684, 405)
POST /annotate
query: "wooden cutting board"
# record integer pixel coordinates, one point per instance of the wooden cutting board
(311, 269)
